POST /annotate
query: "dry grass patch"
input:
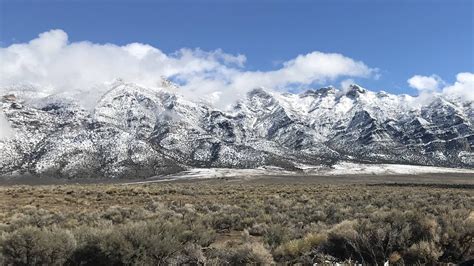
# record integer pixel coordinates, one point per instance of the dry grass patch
(217, 223)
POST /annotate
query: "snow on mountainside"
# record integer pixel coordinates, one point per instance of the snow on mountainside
(141, 132)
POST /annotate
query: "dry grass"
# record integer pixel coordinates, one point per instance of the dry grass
(216, 223)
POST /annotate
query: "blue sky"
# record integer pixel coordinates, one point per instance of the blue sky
(400, 38)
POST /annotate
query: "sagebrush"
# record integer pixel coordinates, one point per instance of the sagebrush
(225, 223)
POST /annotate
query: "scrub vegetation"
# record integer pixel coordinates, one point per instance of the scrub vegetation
(235, 223)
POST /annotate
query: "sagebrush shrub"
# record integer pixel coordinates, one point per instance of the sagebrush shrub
(34, 246)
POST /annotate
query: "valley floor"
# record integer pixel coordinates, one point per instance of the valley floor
(341, 173)
(261, 219)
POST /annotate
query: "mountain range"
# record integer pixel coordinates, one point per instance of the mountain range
(138, 132)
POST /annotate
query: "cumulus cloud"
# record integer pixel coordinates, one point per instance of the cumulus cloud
(425, 83)
(56, 65)
(463, 87)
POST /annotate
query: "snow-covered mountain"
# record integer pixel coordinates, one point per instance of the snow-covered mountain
(141, 132)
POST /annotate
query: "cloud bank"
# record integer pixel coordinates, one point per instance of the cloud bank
(463, 87)
(55, 65)
(5, 129)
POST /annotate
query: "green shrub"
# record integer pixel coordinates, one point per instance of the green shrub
(144, 243)
(424, 252)
(297, 249)
(276, 234)
(236, 254)
(33, 246)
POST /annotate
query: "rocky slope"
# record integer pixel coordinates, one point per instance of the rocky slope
(142, 132)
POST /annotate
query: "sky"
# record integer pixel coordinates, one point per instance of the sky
(397, 46)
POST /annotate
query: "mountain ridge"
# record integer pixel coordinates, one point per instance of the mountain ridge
(134, 131)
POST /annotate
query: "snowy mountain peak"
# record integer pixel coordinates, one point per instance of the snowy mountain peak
(259, 92)
(137, 131)
(319, 92)
(168, 84)
(355, 90)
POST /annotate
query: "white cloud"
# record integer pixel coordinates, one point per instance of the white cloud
(56, 65)
(463, 87)
(345, 84)
(306, 69)
(5, 128)
(425, 83)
